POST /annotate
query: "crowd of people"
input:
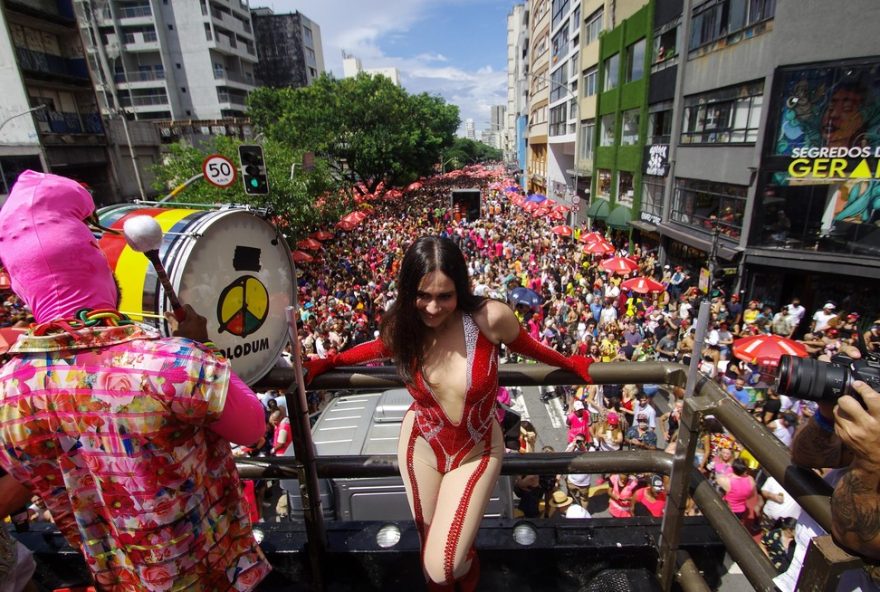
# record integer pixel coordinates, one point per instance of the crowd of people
(584, 310)
(575, 308)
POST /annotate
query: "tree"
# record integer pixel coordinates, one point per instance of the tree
(366, 128)
(292, 201)
(465, 151)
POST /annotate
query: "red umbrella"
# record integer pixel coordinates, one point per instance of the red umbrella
(765, 350)
(322, 235)
(302, 257)
(531, 206)
(599, 247)
(346, 226)
(642, 285)
(591, 237)
(562, 230)
(415, 186)
(619, 265)
(309, 244)
(557, 214)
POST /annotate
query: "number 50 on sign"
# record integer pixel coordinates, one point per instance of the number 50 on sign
(219, 170)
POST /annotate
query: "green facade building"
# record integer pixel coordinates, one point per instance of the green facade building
(622, 119)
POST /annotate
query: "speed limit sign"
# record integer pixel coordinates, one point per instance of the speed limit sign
(219, 170)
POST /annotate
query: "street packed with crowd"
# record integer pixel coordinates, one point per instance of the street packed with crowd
(559, 280)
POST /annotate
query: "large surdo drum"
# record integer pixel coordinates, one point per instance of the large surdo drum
(230, 265)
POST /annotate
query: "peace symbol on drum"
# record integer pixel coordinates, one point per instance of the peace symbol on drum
(243, 306)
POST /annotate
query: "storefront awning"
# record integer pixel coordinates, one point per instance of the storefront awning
(619, 218)
(599, 209)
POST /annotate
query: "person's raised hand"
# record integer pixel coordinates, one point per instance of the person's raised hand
(581, 366)
(859, 426)
(315, 367)
(193, 326)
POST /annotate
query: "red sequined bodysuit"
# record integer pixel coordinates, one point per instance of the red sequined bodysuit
(452, 442)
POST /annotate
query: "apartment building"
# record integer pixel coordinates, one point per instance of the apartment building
(516, 119)
(289, 49)
(49, 119)
(171, 60)
(565, 30)
(538, 81)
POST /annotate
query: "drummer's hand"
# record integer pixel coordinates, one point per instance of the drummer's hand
(193, 326)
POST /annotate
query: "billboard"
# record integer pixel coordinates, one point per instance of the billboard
(828, 111)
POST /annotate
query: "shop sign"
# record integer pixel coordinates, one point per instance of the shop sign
(657, 160)
(704, 280)
(648, 217)
(825, 167)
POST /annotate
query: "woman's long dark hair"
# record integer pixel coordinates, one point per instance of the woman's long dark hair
(402, 330)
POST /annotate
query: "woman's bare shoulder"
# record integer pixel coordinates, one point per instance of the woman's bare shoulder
(497, 322)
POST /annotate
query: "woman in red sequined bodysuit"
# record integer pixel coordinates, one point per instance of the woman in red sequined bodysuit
(445, 343)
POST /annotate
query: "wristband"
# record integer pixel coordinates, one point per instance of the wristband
(823, 423)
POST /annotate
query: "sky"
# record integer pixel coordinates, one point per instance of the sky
(456, 49)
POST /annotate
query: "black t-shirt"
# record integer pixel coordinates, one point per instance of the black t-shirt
(772, 406)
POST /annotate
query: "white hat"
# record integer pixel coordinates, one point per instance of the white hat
(578, 405)
(829, 305)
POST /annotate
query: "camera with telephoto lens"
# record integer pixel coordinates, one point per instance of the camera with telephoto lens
(806, 378)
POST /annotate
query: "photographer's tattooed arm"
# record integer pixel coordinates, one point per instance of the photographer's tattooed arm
(816, 448)
(855, 507)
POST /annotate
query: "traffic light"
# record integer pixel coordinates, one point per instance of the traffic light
(253, 169)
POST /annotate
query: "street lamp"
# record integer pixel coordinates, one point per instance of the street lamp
(31, 110)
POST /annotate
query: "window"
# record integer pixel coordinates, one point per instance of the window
(560, 7)
(560, 44)
(635, 61)
(726, 19)
(659, 126)
(576, 22)
(625, 188)
(208, 32)
(665, 46)
(652, 199)
(726, 116)
(629, 133)
(705, 204)
(603, 183)
(585, 140)
(307, 35)
(558, 115)
(170, 27)
(607, 130)
(590, 82)
(557, 83)
(612, 70)
(594, 27)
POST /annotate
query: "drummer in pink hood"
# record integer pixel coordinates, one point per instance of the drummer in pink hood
(124, 434)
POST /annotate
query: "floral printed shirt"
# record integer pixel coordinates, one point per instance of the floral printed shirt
(107, 425)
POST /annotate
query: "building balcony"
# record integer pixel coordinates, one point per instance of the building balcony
(227, 78)
(57, 11)
(140, 80)
(63, 122)
(151, 101)
(36, 62)
(141, 41)
(227, 21)
(230, 100)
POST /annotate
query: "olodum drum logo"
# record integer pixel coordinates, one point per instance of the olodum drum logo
(243, 306)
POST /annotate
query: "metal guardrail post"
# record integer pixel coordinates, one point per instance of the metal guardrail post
(688, 574)
(304, 449)
(824, 563)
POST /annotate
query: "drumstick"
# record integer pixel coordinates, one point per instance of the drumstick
(144, 235)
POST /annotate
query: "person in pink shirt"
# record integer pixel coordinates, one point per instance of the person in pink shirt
(578, 423)
(123, 434)
(283, 432)
(739, 488)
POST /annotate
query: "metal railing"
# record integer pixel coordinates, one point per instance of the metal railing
(824, 561)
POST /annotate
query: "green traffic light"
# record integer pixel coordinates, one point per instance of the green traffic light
(254, 183)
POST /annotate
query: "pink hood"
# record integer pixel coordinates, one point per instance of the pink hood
(53, 260)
